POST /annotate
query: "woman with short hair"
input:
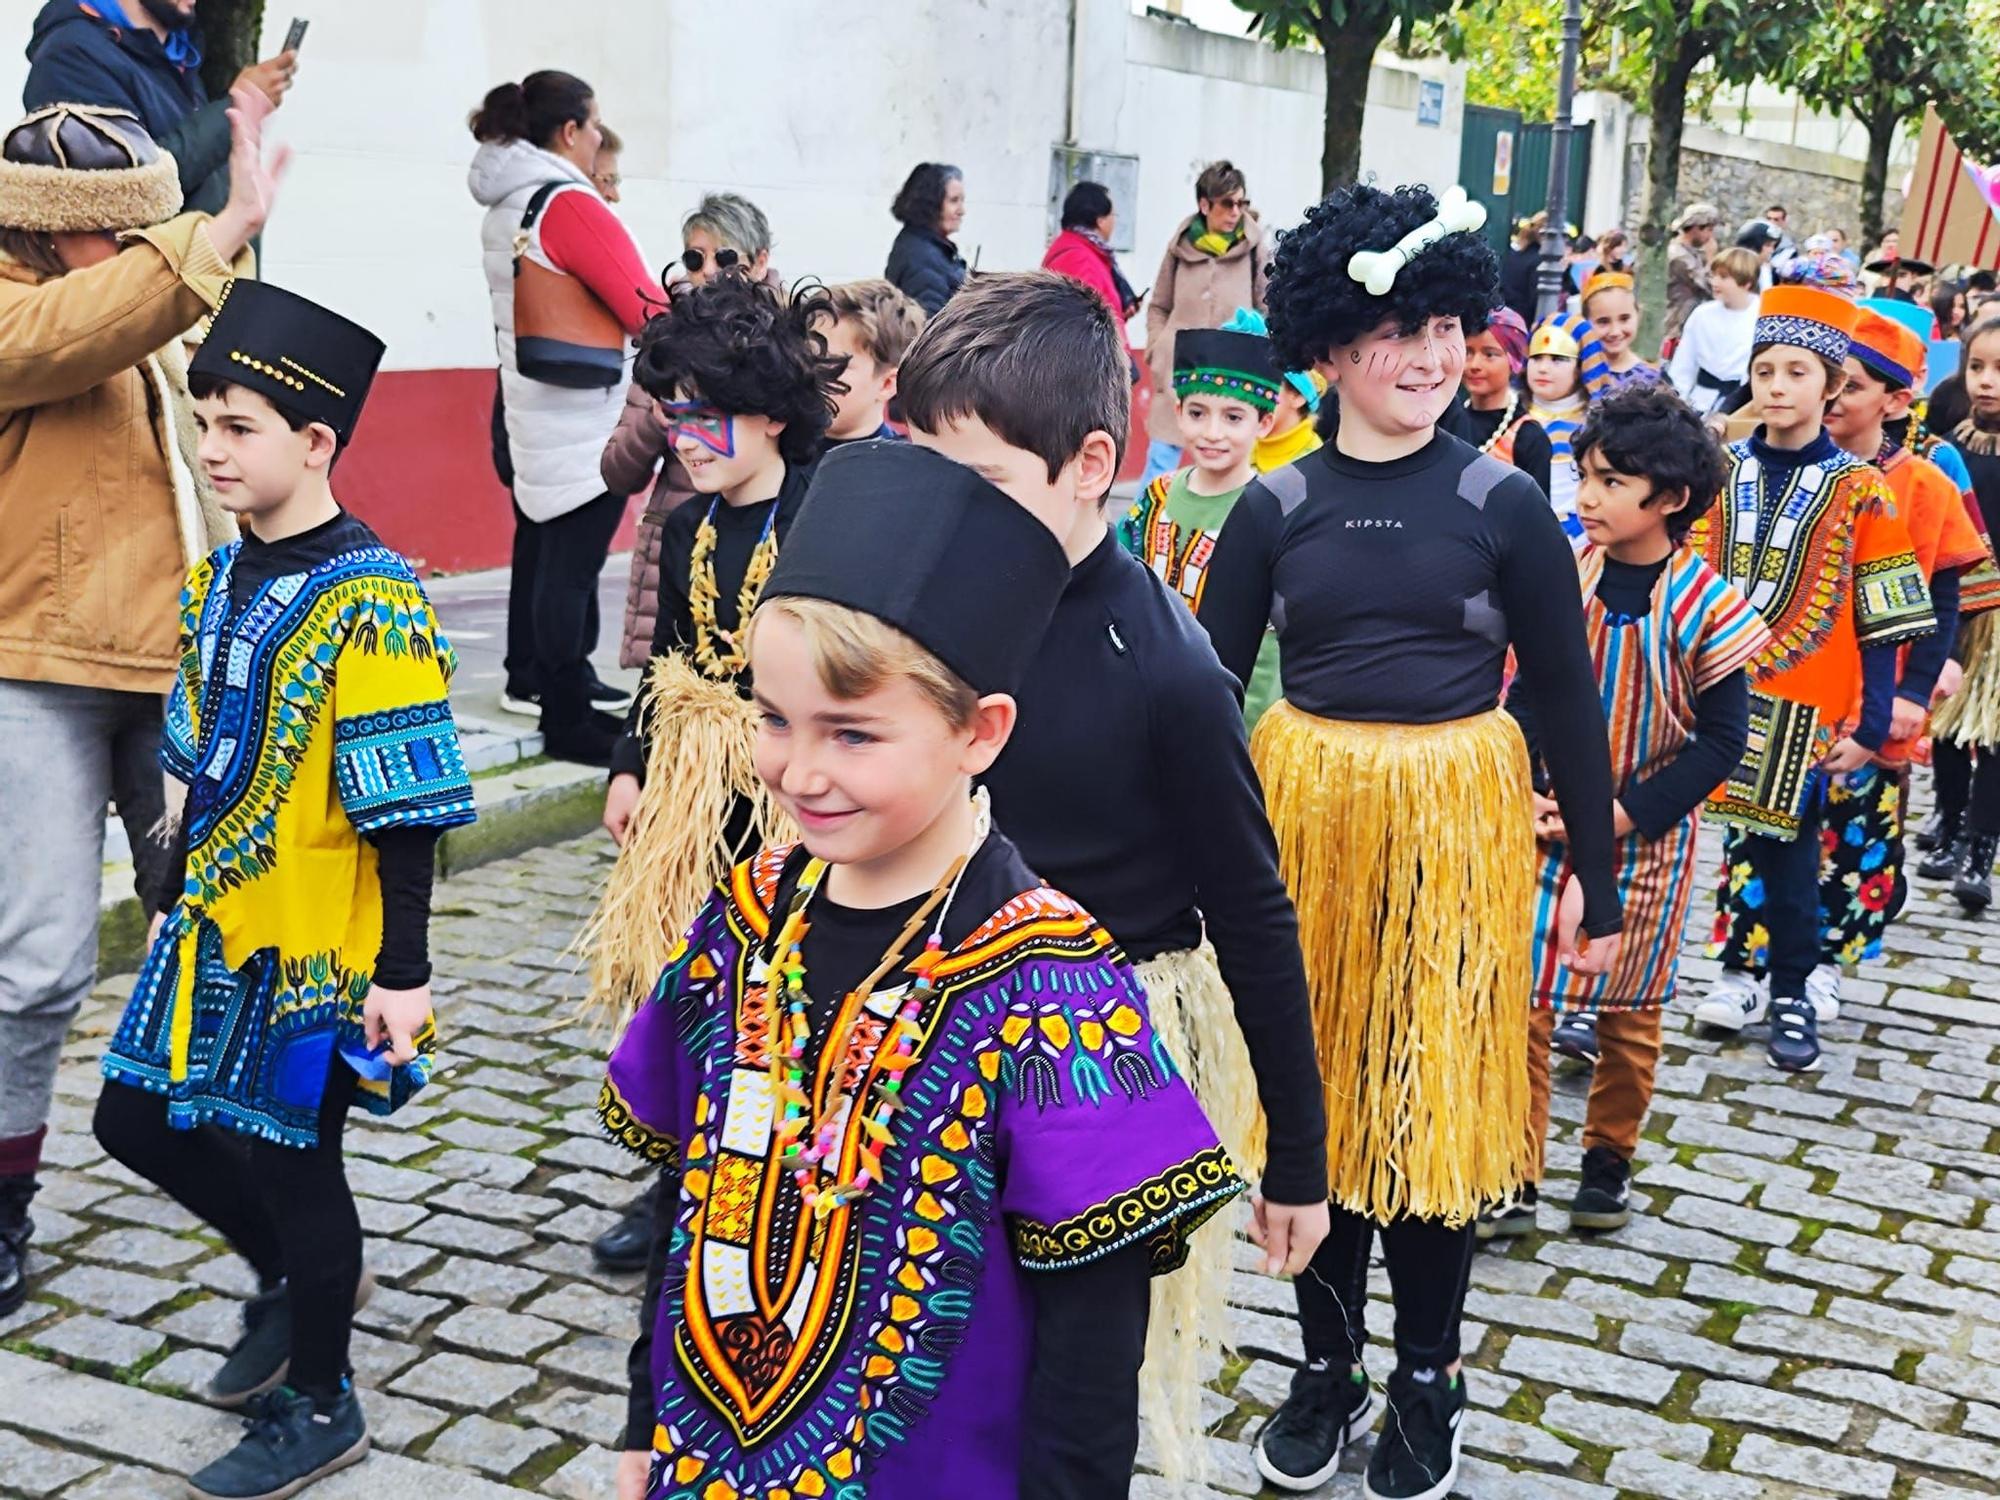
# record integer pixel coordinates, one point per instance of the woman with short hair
(1083, 248)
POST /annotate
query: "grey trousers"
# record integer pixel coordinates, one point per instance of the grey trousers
(65, 752)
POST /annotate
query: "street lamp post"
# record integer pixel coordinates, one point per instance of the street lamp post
(1548, 279)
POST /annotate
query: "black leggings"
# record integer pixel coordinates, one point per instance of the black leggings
(287, 1211)
(1429, 1266)
(1964, 789)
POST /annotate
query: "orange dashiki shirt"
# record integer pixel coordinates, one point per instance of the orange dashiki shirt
(1830, 566)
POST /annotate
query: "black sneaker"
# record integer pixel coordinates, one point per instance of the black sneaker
(1300, 1445)
(1511, 1217)
(603, 696)
(289, 1443)
(1576, 1036)
(1416, 1453)
(263, 1356)
(626, 1245)
(1605, 1199)
(1794, 1044)
(16, 1229)
(1936, 832)
(1973, 887)
(520, 700)
(587, 742)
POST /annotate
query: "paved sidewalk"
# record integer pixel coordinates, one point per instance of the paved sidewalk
(1809, 1305)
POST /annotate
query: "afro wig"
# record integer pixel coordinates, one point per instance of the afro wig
(743, 348)
(1646, 430)
(1315, 304)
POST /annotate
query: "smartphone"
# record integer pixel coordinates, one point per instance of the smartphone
(297, 35)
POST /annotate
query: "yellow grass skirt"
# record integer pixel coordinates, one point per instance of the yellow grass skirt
(1409, 852)
(702, 758)
(1971, 716)
(1194, 1016)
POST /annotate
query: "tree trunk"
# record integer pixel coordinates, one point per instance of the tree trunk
(1668, 105)
(1350, 55)
(231, 32)
(1881, 125)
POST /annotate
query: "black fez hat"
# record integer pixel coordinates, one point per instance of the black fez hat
(301, 356)
(908, 536)
(1227, 362)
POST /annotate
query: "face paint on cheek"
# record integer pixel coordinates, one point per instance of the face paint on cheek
(1384, 363)
(713, 429)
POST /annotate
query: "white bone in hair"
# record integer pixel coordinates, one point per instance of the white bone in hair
(1377, 269)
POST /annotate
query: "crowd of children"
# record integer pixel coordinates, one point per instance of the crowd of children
(1004, 886)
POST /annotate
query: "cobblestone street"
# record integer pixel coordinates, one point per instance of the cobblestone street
(1809, 1303)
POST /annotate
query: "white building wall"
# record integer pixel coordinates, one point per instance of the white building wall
(816, 120)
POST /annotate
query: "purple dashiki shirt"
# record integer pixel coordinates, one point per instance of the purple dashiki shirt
(884, 1348)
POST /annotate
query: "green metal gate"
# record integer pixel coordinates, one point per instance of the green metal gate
(1531, 171)
(1488, 147)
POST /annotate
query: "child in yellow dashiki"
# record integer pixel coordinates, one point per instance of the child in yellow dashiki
(291, 977)
(1671, 640)
(927, 1152)
(1226, 385)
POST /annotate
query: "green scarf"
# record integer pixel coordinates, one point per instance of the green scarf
(1207, 240)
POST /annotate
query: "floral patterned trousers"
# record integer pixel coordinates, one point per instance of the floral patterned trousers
(1858, 828)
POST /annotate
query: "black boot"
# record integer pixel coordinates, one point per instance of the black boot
(1947, 854)
(16, 1229)
(1974, 885)
(1936, 832)
(627, 1245)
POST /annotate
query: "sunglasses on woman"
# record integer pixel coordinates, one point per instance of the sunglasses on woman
(694, 258)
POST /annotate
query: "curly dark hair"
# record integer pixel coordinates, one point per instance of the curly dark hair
(1315, 304)
(1646, 430)
(743, 347)
(920, 201)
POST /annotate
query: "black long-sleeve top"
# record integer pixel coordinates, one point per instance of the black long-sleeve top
(407, 856)
(738, 528)
(1090, 1322)
(1657, 802)
(1396, 589)
(1928, 653)
(1533, 454)
(1128, 786)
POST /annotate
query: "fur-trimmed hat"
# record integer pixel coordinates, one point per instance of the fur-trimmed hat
(78, 168)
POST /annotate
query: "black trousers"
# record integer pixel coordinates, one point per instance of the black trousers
(552, 610)
(1967, 787)
(1429, 1268)
(287, 1211)
(1782, 896)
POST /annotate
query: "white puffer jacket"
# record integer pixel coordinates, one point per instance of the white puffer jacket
(557, 435)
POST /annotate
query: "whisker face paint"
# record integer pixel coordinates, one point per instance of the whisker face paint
(697, 420)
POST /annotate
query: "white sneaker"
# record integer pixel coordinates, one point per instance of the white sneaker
(1823, 990)
(1737, 999)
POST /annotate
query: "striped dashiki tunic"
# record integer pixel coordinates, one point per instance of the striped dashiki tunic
(1650, 672)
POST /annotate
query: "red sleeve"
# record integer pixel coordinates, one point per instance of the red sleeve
(582, 237)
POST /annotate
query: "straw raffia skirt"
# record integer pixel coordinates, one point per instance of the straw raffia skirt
(1195, 1018)
(1971, 716)
(701, 761)
(1409, 852)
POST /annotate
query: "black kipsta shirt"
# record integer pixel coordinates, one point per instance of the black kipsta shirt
(1396, 589)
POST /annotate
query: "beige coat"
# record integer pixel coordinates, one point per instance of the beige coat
(1197, 290)
(103, 507)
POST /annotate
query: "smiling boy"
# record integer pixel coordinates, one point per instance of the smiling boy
(290, 978)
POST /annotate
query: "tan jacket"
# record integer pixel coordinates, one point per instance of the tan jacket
(1197, 290)
(102, 505)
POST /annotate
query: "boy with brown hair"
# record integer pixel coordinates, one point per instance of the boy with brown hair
(873, 327)
(1024, 379)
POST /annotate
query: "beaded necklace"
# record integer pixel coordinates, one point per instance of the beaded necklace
(1506, 420)
(806, 1151)
(703, 594)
